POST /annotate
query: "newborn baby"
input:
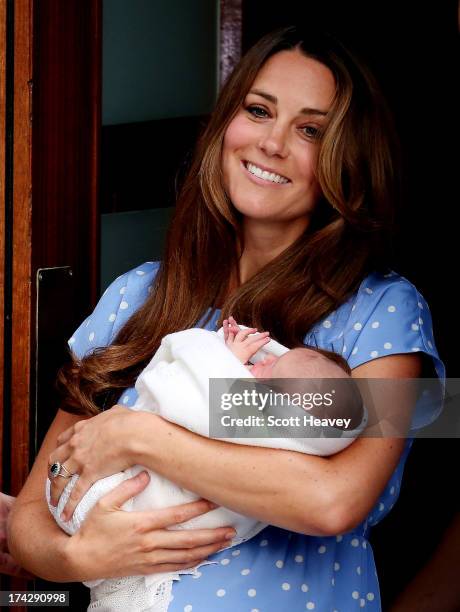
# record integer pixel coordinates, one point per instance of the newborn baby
(175, 385)
(298, 366)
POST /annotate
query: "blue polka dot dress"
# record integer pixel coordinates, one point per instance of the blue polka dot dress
(279, 570)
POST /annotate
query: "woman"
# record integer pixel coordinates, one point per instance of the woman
(8, 565)
(282, 222)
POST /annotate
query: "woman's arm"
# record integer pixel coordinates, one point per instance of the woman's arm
(42, 550)
(312, 495)
(111, 542)
(308, 494)
(8, 564)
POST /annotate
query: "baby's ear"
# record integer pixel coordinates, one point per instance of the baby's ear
(269, 359)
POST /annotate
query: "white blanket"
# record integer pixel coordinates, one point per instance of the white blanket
(175, 385)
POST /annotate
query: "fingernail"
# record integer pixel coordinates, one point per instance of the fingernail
(142, 475)
(212, 505)
(230, 535)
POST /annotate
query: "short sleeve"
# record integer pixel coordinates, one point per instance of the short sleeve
(386, 316)
(397, 320)
(118, 303)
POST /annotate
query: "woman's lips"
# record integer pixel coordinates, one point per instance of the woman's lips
(262, 181)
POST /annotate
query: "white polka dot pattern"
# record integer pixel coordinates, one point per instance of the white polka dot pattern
(273, 571)
(321, 550)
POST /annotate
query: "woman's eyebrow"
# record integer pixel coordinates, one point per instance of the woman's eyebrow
(274, 100)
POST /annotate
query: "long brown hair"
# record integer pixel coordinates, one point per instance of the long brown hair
(345, 240)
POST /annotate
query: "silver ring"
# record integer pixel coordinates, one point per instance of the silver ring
(63, 467)
(56, 470)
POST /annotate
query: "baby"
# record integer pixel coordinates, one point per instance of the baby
(175, 385)
(297, 365)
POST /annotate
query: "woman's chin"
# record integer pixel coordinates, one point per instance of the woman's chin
(259, 211)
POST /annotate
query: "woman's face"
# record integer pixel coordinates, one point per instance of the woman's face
(270, 148)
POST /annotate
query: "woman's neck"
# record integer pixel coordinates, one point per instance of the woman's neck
(264, 242)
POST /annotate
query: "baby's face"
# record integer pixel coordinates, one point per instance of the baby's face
(284, 366)
(273, 367)
(287, 365)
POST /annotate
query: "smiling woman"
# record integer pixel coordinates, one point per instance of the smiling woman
(271, 146)
(282, 221)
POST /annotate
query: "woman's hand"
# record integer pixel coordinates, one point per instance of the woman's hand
(7, 564)
(113, 542)
(93, 448)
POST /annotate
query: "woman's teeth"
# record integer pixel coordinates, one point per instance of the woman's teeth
(266, 176)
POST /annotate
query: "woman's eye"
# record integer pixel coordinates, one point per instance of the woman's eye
(257, 111)
(311, 131)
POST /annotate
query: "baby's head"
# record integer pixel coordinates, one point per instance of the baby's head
(302, 363)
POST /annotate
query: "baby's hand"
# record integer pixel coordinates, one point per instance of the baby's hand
(240, 341)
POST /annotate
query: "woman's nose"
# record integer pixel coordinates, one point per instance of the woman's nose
(274, 142)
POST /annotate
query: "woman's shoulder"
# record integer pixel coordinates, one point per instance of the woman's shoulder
(377, 291)
(130, 290)
(391, 292)
(117, 304)
(386, 315)
(392, 303)
(379, 283)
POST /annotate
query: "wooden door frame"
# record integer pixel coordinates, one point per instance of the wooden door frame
(50, 107)
(19, 252)
(2, 213)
